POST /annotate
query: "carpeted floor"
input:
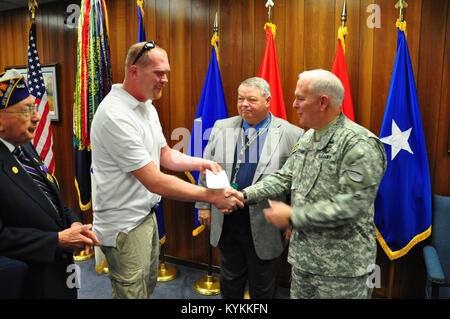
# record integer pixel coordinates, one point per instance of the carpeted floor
(95, 286)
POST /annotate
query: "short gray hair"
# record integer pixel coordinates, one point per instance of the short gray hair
(259, 83)
(325, 83)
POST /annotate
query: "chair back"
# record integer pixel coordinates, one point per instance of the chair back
(12, 277)
(440, 235)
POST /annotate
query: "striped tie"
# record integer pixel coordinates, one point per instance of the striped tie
(38, 179)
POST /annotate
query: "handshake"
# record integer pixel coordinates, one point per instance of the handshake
(227, 199)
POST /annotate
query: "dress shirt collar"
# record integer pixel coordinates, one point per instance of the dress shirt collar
(258, 126)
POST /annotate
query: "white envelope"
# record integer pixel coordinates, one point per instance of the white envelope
(217, 181)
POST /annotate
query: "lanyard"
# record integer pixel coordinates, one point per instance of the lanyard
(245, 147)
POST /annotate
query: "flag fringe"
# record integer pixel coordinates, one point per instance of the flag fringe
(82, 206)
(272, 27)
(103, 268)
(400, 253)
(198, 230)
(190, 177)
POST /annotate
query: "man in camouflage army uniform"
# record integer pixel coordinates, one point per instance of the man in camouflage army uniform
(333, 176)
(248, 147)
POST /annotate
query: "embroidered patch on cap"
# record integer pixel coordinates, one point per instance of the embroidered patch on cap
(12, 88)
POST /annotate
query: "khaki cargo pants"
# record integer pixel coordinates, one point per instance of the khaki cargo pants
(133, 263)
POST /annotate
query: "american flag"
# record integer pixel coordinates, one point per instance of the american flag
(43, 141)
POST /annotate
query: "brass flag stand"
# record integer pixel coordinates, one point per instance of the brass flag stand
(166, 272)
(208, 285)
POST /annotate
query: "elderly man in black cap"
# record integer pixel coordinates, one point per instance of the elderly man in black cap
(36, 227)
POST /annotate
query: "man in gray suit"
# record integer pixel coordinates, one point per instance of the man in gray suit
(248, 147)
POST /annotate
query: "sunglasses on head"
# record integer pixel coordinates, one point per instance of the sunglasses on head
(147, 47)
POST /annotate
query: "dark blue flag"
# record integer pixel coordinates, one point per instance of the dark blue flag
(211, 107)
(159, 209)
(403, 203)
(141, 30)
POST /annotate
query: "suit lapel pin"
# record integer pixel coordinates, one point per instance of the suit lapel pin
(15, 170)
(49, 177)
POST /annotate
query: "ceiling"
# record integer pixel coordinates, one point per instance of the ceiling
(15, 4)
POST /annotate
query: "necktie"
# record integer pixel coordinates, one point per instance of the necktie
(36, 176)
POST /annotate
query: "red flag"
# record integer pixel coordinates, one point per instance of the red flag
(269, 72)
(340, 70)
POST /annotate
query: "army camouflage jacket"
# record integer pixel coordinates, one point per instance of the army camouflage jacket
(333, 182)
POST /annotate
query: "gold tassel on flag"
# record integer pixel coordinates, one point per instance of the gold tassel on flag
(32, 5)
(342, 32)
(401, 23)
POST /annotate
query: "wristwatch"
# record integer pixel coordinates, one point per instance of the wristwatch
(244, 194)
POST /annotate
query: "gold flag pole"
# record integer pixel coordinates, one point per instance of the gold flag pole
(269, 5)
(344, 14)
(401, 4)
(209, 285)
(32, 5)
(166, 272)
(342, 32)
(216, 26)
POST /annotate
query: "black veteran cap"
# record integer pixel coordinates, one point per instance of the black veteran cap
(12, 88)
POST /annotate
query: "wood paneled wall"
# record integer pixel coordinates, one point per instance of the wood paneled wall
(306, 38)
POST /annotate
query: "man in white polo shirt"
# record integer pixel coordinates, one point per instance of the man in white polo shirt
(128, 147)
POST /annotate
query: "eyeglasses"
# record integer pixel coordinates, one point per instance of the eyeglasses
(147, 47)
(28, 113)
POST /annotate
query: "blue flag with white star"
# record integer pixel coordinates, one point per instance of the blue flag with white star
(403, 203)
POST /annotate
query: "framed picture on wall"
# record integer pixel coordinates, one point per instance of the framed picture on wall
(50, 83)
